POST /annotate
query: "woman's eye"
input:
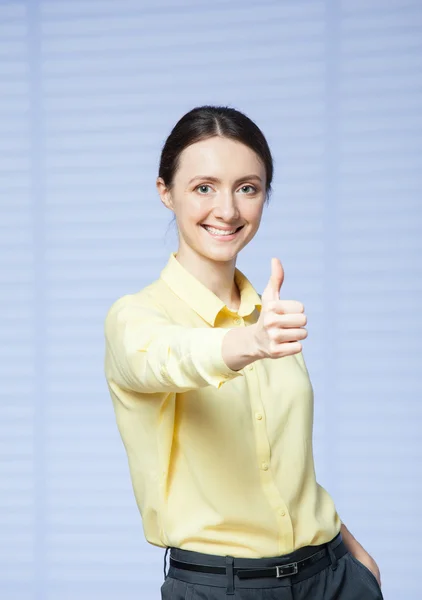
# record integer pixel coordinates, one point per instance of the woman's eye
(249, 186)
(202, 187)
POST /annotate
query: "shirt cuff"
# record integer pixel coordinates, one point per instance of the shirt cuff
(207, 356)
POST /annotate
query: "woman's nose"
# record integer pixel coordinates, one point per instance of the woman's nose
(226, 207)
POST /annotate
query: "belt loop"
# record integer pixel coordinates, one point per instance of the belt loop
(230, 575)
(165, 556)
(332, 556)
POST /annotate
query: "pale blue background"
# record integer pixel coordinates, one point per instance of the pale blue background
(89, 90)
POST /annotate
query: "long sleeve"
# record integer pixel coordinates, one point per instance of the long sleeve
(147, 354)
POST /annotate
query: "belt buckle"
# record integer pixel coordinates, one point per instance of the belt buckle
(280, 569)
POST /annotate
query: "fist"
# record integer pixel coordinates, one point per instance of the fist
(280, 326)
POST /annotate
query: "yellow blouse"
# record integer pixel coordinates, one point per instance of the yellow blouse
(221, 461)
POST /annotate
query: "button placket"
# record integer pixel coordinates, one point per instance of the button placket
(263, 447)
(281, 512)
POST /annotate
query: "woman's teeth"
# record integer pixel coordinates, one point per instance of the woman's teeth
(219, 231)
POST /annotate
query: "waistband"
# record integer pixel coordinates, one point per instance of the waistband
(290, 569)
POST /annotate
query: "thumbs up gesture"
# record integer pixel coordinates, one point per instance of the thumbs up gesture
(281, 323)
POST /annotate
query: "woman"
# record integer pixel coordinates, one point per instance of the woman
(212, 396)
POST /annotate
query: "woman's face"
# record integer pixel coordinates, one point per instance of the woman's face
(220, 184)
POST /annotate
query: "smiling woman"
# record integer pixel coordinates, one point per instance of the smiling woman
(219, 212)
(212, 395)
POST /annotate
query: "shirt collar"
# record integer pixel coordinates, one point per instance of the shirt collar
(203, 301)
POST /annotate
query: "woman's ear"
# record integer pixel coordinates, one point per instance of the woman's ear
(164, 193)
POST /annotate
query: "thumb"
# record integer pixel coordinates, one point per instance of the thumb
(276, 279)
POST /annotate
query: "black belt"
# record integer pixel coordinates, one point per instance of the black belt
(283, 570)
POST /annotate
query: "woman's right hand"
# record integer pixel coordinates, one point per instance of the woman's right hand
(281, 323)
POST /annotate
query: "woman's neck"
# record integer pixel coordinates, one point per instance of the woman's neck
(216, 276)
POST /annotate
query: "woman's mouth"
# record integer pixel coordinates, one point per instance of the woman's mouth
(221, 234)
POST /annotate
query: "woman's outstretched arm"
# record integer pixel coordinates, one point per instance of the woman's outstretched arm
(146, 353)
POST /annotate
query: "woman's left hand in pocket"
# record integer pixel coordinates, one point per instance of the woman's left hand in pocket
(370, 563)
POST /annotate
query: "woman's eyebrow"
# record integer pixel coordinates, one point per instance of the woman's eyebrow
(217, 180)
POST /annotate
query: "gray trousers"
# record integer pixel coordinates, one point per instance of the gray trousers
(338, 575)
